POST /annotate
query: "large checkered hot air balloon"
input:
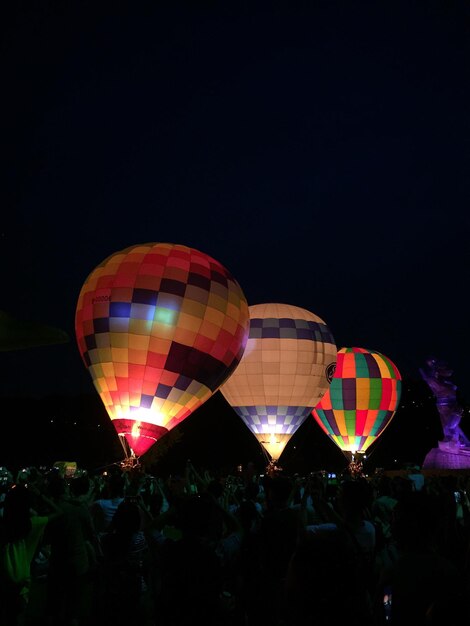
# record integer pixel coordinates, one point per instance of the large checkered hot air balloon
(361, 400)
(286, 368)
(160, 326)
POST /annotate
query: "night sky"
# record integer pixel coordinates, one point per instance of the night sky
(318, 150)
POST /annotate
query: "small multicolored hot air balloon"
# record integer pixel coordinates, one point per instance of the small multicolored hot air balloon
(160, 326)
(362, 399)
(286, 368)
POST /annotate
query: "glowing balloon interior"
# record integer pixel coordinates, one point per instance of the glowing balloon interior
(285, 369)
(160, 326)
(362, 399)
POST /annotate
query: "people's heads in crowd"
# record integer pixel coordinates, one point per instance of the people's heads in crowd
(6, 479)
(384, 486)
(57, 486)
(355, 496)
(215, 488)
(323, 583)
(17, 512)
(414, 520)
(135, 481)
(278, 489)
(114, 485)
(199, 517)
(128, 518)
(79, 485)
(154, 500)
(401, 486)
(176, 488)
(251, 490)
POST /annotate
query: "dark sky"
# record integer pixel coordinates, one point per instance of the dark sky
(319, 150)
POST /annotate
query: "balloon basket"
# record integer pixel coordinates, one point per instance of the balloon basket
(273, 469)
(356, 467)
(130, 463)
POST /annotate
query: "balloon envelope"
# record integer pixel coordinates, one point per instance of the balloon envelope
(362, 399)
(160, 326)
(285, 369)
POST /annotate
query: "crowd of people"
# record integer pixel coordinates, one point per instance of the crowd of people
(232, 549)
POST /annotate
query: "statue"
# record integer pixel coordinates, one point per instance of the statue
(437, 374)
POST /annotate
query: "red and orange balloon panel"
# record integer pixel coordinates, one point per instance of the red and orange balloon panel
(160, 326)
(362, 399)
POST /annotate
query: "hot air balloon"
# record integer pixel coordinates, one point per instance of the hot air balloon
(160, 326)
(361, 400)
(285, 369)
